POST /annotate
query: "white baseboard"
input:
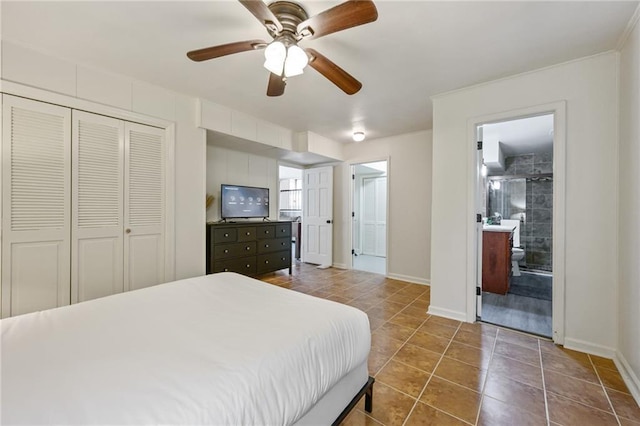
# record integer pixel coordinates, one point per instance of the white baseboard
(447, 313)
(589, 348)
(629, 376)
(409, 278)
(339, 265)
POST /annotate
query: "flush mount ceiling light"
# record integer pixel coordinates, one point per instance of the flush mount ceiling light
(358, 136)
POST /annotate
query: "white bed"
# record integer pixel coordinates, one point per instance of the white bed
(222, 349)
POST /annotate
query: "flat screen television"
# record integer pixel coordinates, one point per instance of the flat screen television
(244, 202)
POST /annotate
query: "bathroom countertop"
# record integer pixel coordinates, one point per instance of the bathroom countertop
(498, 228)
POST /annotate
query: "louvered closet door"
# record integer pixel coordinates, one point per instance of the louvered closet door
(97, 252)
(36, 204)
(144, 243)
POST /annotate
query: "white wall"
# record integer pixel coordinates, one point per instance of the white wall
(409, 199)
(240, 168)
(37, 69)
(589, 87)
(628, 225)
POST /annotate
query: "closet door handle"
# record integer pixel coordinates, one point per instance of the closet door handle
(127, 231)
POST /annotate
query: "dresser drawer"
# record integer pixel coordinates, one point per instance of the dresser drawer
(225, 235)
(226, 251)
(247, 234)
(266, 231)
(274, 261)
(283, 230)
(274, 244)
(245, 265)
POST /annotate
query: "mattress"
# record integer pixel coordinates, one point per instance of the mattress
(222, 349)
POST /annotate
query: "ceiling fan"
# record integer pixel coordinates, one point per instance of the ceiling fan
(288, 23)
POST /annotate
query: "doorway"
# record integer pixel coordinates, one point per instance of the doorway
(290, 204)
(517, 193)
(369, 217)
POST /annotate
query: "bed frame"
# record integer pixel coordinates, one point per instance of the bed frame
(367, 391)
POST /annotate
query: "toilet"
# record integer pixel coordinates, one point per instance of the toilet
(517, 253)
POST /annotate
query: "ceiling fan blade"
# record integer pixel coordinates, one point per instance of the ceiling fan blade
(337, 75)
(260, 10)
(346, 15)
(276, 85)
(225, 49)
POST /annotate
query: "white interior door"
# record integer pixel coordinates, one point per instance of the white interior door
(374, 212)
(144, 206)
(317, 216)
(36, 181)
(480, 211)
(97, 208)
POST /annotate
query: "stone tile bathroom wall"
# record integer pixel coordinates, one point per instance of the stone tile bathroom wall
(536, 232)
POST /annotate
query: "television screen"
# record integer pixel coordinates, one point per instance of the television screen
(244, 201)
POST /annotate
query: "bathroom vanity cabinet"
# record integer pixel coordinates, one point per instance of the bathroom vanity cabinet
(496, 261)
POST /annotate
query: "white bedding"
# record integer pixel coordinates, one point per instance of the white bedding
(222, 349)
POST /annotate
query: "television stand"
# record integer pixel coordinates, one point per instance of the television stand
(248, 248)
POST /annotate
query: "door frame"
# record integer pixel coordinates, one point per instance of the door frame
(351, 206)
(559, 111)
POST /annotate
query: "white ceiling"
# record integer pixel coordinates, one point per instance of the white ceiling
(522, 136)
(414, 50)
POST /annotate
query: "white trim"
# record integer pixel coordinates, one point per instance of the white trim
(410, 279)
(628, 375)
(559, 110)
(589, 348)
(447, 313)
(628, 29)
(339, 266)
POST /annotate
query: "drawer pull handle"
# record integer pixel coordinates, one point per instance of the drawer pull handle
(266, 246)
(282, 258)
(248, 233)
(266, 261)
(226, 250)
(266, 232)
(226, 235)
(226, 269)
(248, 248)
(248, 266)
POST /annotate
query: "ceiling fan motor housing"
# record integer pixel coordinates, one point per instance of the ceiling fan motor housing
(290, 16)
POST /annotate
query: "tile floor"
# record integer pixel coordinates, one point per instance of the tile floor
(435, 371)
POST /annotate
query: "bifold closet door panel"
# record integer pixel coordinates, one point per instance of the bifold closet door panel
(97, 242)
(36, 205)
(144, 209)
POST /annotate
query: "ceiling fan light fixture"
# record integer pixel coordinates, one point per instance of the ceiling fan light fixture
(296, 60)
(275, 55)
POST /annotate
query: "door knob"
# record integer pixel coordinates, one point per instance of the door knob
(128, 230)
(328, 220)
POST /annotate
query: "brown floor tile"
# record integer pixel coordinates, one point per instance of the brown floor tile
(377, 360)
(445, 321)
(428, 341)
(390, 407)
(463, 374)
(498, 413)
(395, 331)
(518, 394)
(381, 311)
(437, 329)
(422, 304)
(570, 365)
(567, 412)
(338, 298)
(403, 378)
(469, 354)
(453, 399)
(423, 415)
(358, 418)
(624, 404)
(628, 422)
(516, 370)
(375, 322)
(517, 352)
(578, 390)
(481, 341)
(415, 312)
(480, 328)
(599, 361)
(385, 344)
(418, 357)
(518, 338)
(612, 379)
(407, 320)
(401, 298)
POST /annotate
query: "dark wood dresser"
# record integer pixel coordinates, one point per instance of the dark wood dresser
(248, 248)
(496, 261)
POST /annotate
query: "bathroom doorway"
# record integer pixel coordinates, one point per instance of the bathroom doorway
(290, 205)
(517, 224)
(369, 217)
